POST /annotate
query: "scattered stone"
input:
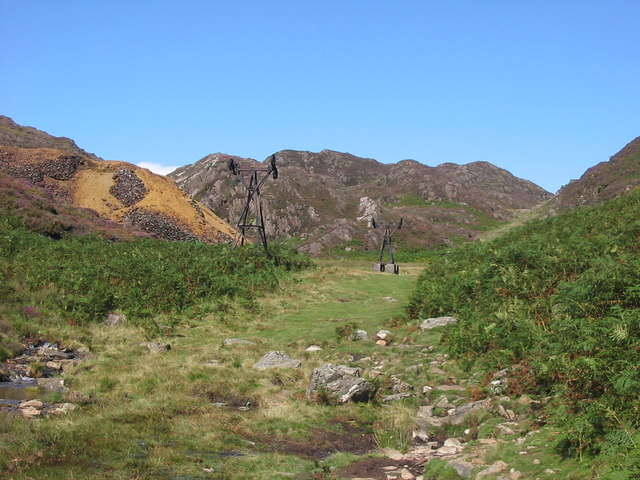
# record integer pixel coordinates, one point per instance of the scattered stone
(156, 347)
(497, 467)
(390, 299)
(488, 441)
(536, 461)
(276, 359)
(115, 318)
(359, 335)
(463, 467)
(514, 474)
(400, 386)
(381, 343)
(392, 454)
(455, 416)
(505, 429)
(414, 369)
(549, 471)
(313, 348)
(77, 397)
(443, 402)
(508, 414)
(64, 409)
(425, 411)
(452, 442)
(340, 383)
(384, 335)
(236, 341)
(430, 323)
(451, 388)
(31, 404)
(52, 385)
(420, 436)
(30, 412)
(54, 365)
(406, 474)
(395, 397)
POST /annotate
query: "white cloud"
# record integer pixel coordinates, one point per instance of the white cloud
(156, 168)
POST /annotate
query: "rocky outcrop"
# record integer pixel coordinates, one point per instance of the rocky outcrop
(602, 182)
(328, 199)
(340, 384)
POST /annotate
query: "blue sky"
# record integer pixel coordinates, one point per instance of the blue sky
(545, 89)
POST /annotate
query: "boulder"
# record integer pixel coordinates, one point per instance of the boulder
(276, 359)
(430, 323)
(358, 335)
(340, 383)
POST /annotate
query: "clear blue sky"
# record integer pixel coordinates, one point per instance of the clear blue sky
(544, 89)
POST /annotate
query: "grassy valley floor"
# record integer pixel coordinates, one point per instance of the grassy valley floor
(199, 410)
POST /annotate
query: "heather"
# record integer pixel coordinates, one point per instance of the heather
(556, 303)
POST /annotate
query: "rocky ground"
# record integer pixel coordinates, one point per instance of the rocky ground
(37, 372)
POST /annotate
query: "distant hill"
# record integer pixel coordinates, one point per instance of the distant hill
(602, 182)
(58, 187)
(328, 199)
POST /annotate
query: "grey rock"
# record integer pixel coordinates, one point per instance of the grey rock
(236, 341)
(276, 359)
(494, 469)
(395, 397)
(463, 468)
(52, 385)
(400, 386)
(340, 383)
(430, 323)
(115, 318)
(358, 335)
(384, 335)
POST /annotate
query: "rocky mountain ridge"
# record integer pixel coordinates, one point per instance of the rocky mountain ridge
(602, 182)
(328, 199)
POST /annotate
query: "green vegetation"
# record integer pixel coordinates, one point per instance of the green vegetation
(557, 302)
(81, 279)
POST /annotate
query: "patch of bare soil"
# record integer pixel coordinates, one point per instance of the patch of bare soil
(322, 443)
(378, 468)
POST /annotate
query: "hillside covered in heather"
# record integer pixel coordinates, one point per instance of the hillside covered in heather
(58, 187)
(328, 199)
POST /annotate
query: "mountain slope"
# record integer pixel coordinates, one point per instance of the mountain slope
(602, 182)
(132, 197)
(328, 199)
